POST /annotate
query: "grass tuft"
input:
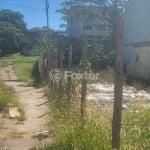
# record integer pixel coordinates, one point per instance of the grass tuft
(7, 97)
(26, 68)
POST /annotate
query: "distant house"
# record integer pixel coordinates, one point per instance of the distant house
(137, 38)
(61, 33)
(92, 28)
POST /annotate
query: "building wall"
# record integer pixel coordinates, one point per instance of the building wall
(140, 63)
(137, 38)
(99, 27)
(137, 22)
(128, 54)
(97, 30)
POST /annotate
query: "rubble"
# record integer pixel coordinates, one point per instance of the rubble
(14, 112)
(104, 94)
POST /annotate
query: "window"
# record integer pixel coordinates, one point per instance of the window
(87, 27)
(101, 27)
(103, 13)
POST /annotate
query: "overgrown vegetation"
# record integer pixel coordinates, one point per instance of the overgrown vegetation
(8, 98)
(101, 56)
(3, 63)
(136, 128)
(26, 68)
(105, 76)
(70, 134)
(95, 132)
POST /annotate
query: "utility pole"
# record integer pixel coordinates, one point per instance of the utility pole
(47, 13)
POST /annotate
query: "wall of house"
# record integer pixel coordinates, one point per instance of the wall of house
(77, 30)
(137, 33)
(137, 22)
(129, 52)
(140, 64)
(98, 29)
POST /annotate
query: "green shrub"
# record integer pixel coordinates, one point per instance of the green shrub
(101, 57)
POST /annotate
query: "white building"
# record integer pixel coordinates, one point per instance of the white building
(93, 28)
(137, 38)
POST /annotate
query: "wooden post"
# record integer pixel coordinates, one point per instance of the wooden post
(61, 80)
(41, 65)
(55, 66)
(49, 69)
(84, 81)
(69, 80)
(45, 66)
(52, 67)
(118, 90)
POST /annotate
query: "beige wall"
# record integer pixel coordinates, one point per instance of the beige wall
(140, 64)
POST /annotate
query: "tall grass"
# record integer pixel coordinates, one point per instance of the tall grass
(72, 134)
(95, 132)
(24, 66)
(7, 98)
(3, 63)
(107, 76)
(136, 129)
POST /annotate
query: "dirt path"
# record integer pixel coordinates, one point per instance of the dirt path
(16, 136)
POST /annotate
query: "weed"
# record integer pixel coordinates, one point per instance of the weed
(3, 63)
(105, 76)
(8, 97)
(25, 67)
(95, 132)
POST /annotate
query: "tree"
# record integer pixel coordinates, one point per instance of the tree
(114, 10)
(12, 31)
(74, 11)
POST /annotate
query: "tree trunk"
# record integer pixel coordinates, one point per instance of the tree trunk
(118, 90)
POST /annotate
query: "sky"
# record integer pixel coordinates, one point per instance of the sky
(34, 12)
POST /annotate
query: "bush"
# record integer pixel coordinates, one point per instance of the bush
(100, 56)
